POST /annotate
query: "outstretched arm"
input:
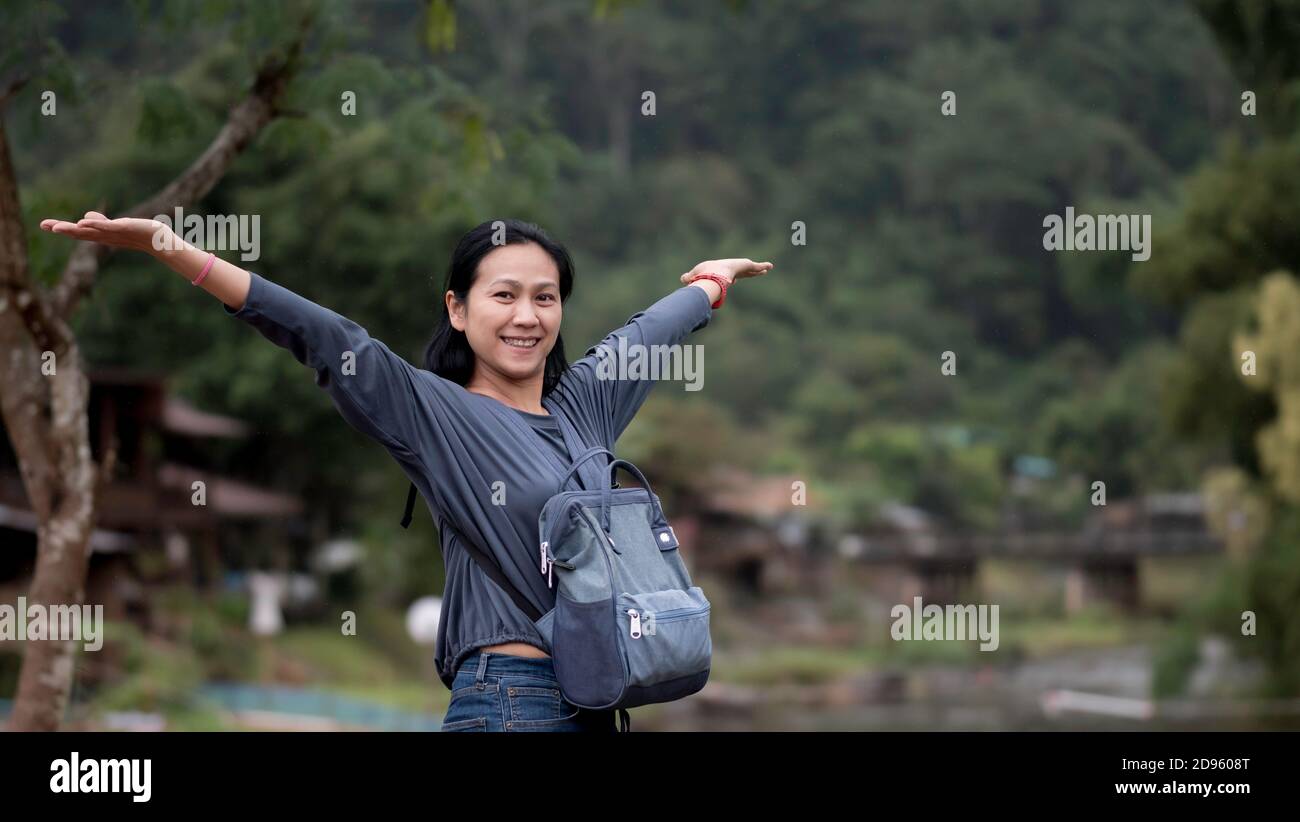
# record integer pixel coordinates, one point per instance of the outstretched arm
(611, 393)
(376, 391)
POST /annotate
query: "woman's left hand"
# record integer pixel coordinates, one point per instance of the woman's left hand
(733, 269)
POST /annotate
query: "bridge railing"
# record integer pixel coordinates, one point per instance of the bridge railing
(1045, 545)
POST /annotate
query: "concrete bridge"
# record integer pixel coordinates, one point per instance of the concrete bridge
(1101, 565)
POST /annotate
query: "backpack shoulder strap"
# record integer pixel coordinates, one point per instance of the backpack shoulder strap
(410, 506)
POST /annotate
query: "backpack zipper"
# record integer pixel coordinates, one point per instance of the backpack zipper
(679, 613)
(671, 615)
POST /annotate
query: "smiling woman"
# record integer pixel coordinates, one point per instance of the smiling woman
(487, 431)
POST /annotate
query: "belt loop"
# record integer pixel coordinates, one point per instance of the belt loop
(482, 670)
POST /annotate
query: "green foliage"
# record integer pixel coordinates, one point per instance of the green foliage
(1225, 269)
(1114, 426)
(1234, 225)
(166, 114)
(1258, 38)
(156, 675)
(936, 467)
(1175, 660)
(440, 30)
(1271, 590)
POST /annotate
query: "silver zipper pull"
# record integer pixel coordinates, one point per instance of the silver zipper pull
(636, 623)
(550, 572)
(544, 546)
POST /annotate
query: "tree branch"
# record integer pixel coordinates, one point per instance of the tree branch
(246, 119)
(11, 88)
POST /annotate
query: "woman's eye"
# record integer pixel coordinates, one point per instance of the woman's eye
(503, 294)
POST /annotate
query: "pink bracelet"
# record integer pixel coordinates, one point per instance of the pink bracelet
(212, 258)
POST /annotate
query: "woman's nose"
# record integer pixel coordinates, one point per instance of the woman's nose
(526, 316)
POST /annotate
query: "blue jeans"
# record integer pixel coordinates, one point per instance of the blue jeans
(503, 692)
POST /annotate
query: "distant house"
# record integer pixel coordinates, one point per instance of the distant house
(750, 529)
(148, 509)
(895, 527)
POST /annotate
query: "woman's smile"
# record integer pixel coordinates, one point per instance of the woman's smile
(521, 343)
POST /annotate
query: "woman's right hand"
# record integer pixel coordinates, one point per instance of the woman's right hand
(150, 236)
(733, 269)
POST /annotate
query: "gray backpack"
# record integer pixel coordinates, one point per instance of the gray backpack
(628, 627)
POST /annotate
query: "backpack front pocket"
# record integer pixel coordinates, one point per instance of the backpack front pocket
(666, 634)
(588, 661)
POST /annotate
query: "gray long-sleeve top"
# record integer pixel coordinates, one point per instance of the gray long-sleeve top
(455, 445)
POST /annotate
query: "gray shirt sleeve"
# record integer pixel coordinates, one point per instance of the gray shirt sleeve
(377, 392)
(610, 404)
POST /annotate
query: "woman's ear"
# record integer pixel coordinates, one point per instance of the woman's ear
(455, 311)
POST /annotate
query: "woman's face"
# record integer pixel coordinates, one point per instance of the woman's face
(511, 315)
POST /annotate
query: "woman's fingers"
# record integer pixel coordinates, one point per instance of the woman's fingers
(93, 219)
(739, 267)
(755, 269)
(61, 226)
(76, 231)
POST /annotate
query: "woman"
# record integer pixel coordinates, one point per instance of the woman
(486, 431)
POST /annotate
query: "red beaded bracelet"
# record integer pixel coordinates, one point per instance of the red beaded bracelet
(717, 278)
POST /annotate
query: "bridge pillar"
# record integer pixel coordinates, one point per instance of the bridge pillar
(941, 581)
(1113, 580)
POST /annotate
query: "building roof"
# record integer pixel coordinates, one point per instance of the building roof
(100, 540)
(179, 417)
(761, 497)
(230, 497)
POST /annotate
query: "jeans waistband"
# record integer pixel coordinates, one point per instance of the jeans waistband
(481, 664)
(505, 664)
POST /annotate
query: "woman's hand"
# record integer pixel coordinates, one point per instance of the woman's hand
(733, 269)
(149, 236)
(228, 283)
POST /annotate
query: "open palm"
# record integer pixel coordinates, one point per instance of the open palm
(125, 232)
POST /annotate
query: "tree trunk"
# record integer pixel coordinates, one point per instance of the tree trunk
(46, 416)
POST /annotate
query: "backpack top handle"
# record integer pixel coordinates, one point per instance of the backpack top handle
(586, 455)
(607, 493)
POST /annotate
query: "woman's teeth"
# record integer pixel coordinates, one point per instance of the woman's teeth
(521, 342)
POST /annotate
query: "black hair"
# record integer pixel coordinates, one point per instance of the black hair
(449, 354)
